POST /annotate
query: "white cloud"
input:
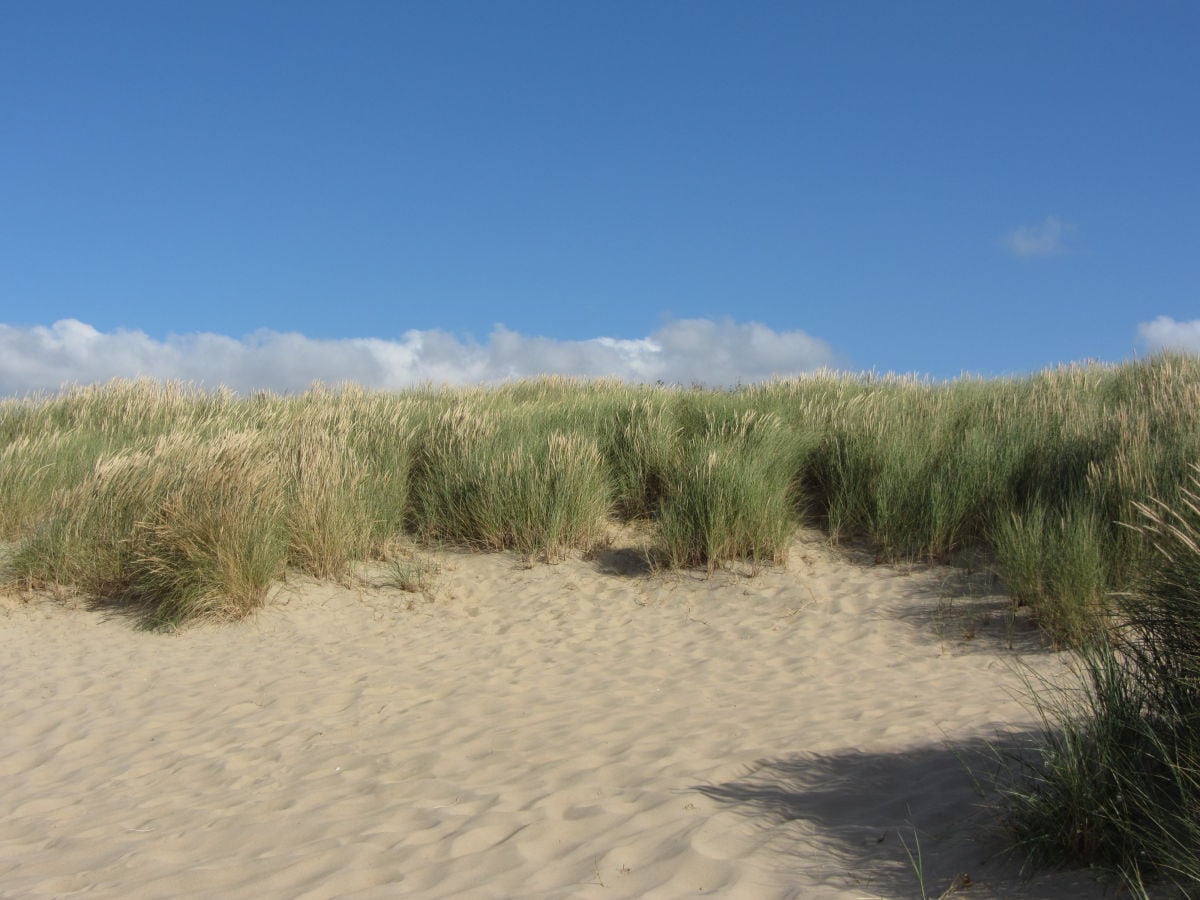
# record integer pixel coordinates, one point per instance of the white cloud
(1047, 238)
(1164, 333)
(687, 350)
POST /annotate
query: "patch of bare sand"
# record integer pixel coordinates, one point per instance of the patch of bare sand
(579, 730)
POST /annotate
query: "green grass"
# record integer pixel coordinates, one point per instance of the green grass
(509, 479)
(1115, 782)
(184, 528)
(727, 493)
(326, 510)
(1056, 565)
(1039, 471)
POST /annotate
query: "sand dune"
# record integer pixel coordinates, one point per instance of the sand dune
(579, 730)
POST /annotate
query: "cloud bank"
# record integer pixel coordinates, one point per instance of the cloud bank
(1047, 238)
(715, 353)
(1164, 333)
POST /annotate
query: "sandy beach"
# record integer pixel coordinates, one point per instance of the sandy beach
(586, 729)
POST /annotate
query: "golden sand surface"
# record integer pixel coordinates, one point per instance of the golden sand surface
(587, 729)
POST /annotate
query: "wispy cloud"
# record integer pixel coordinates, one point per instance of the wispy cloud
(1164, 333)
(688, 350)
(1046, 238)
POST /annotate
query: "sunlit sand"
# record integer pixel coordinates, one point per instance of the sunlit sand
(587, 729)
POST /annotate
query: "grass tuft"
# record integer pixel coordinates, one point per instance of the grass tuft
(186, 529)
(728, 494)
(497, 481)
(1116, 781)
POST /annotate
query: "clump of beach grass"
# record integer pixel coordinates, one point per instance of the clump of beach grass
(185, 529)
(1115, 782)
(727, 494)
(325, 503)
(1056, 565)
(641, 446)
(368, 453)
(413, 572)
(31, 469)
(495, 480)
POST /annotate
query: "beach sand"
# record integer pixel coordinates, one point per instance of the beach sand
(586, 729)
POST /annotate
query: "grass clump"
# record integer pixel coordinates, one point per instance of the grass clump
(727, 494)
(1116, 783)
(325, 502)
(369, 436)
(185, 529)
(413, 572)
(31, 469)
(496, 480)
(1055, 564)
(916, 468)
(640, 448)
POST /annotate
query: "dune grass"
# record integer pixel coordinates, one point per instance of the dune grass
(498, 480)
(1115, 782)
(727, 493)
(1057, 563)
(1037, 471)
(186, 528)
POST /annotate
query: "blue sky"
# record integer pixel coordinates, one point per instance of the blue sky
(929, 187)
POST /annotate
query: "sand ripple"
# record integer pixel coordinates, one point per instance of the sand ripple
(561, 731)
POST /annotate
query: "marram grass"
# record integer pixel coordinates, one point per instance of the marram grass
(1115, 781)
(727, 493)
(498, 479)
(1040, 471)
(187, 528)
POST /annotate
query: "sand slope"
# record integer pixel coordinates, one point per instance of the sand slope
(578, 730)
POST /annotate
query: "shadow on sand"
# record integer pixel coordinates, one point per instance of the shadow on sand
(624, 562)
(866, 807)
